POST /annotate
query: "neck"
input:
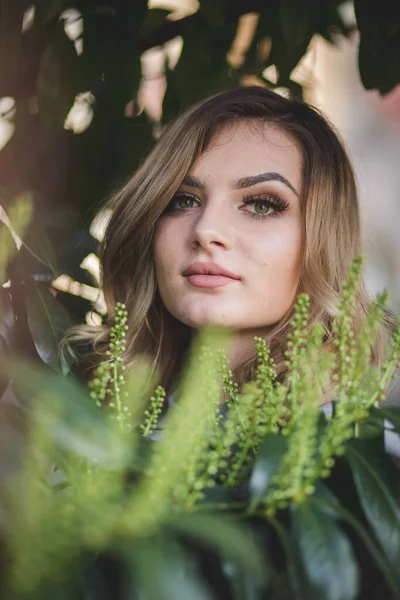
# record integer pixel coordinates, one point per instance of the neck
(243, 346)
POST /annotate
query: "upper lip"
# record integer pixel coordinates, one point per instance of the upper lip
(208, 268)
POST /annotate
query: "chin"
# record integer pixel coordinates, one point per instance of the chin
(205, 317)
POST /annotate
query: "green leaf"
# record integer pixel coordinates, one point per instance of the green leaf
(133, 140)
(11, 17)
(391, 413)
(331, 504)
(377, 483)
(47, 321)
(8, 248)
(159, 569)
(242, 582)
(66, 413)
(325, 552)
(214, 11)
(38, 244)
(296, 22)
(155, 18)
(296, 578)
(111, 54)
(268, 460)
(49, 9)
(204, 53)
(388, 573)
(57, 77)
(229, 538)
(378, 56)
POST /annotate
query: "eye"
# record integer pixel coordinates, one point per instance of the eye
(261, 207)
(265, 206)
(181, 202)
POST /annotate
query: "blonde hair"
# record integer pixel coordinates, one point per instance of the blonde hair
(330, 229)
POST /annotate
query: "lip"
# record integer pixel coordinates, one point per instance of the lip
(209, 275)
(209, 269)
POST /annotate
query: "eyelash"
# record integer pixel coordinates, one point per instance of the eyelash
(275, 202)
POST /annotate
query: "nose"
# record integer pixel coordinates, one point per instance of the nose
(211, 227)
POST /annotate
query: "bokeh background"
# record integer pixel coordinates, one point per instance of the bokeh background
(86, 87)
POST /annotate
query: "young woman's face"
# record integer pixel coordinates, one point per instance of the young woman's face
(238, 208)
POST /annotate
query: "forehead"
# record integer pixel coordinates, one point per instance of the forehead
(247, 149)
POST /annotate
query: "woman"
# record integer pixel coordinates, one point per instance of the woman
(247, 199)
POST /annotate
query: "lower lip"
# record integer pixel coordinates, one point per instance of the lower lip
(209, 281)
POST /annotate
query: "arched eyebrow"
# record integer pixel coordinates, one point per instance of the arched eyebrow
(245, 182)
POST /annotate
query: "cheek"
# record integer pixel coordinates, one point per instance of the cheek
(161, 247)
(166, 253)
(278, 257)
(280, 248)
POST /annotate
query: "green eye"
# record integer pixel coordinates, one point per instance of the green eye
(263, 206)
(184, 201)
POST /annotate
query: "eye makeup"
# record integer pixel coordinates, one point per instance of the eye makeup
(274, 204)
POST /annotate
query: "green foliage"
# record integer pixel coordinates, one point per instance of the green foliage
(226, 479)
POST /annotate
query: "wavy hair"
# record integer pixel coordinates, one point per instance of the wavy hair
(330, 230)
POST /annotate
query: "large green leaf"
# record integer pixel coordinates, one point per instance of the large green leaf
(378, 56)
(230, 539)
(377, 482)
(333, 507)
(296, 580)
(38, 244)
(268, 460)
(325, 552)
(48, 321)
(67, 414)
(329, 502)
(159, 569)
(242, 582)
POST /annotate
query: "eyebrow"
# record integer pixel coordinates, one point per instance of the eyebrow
(245, 182)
